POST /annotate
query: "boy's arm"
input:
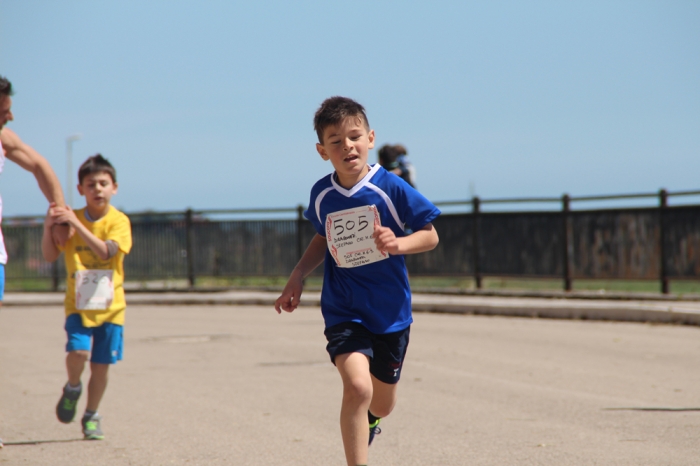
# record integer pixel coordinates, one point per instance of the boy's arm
(48, 246)
(312, 258)
(422, 240)
(103, 249)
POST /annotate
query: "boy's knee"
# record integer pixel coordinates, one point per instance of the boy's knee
(79, 355)
(358, 390)
(381, 411)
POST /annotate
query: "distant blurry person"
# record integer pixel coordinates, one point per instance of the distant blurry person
(408, 170)
(394, 158)
(23, 155)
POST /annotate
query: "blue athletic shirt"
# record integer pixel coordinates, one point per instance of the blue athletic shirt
(376, 295)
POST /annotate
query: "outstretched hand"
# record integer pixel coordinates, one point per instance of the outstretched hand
(291, 295)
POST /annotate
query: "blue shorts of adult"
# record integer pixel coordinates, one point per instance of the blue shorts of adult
(386, 352)
(2, 282)
(106, 342)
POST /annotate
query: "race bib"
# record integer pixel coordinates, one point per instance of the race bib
(349, 234)
(94, 289)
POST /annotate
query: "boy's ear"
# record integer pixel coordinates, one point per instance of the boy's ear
(370, 136)
(322, 151)
(116, 187)
(80, 189)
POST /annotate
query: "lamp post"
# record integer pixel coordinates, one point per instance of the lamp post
(69, 167)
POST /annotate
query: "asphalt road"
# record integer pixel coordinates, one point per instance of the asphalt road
(240, 385)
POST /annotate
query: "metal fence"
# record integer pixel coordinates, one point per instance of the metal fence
(648, 243)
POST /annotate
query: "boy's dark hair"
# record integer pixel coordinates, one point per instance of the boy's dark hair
(96, 164)
(5, 87)
(334, 110)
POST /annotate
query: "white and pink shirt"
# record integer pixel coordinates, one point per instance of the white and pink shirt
(3, 252)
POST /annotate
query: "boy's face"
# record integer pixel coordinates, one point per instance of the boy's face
(98, 189)
(347, 146)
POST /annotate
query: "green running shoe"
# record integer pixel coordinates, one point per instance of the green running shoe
(65, 409)
(91, 427)
(374, 430)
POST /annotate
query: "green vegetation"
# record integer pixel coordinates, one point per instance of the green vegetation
(509, 284)
(28, 284)
(678, 287)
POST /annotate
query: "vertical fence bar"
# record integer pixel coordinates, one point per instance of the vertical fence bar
(54, 275)
(476, 203)
(566, 230)
(189, 247)
(300, 225)
(300, 239)
(663, 207)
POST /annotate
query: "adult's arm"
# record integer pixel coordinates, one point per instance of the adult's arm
(26, 157)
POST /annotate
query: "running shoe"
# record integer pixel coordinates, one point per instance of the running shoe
(374, 430)
(65, 409)
(91, 427)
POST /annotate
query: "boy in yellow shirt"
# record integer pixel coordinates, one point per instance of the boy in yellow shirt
(94, 300)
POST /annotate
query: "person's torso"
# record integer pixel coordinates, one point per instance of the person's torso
(3, 251)
(84, 266)
(376, 294)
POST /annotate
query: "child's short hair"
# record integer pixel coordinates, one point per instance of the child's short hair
(334, 110)
(96, 164)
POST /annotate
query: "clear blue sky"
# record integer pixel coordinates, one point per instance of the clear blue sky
(210, 104)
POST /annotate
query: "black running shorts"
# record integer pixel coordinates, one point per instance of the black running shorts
(386, 352)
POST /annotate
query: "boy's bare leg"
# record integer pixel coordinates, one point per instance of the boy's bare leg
(383, 398)
(75, 364)
(357, 395)
(97, 385)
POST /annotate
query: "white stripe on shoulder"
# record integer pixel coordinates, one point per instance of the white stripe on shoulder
(388, 201)
(319, 198)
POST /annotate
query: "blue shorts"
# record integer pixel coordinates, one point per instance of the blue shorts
(2, 281)
(105, 342)
(386, 352)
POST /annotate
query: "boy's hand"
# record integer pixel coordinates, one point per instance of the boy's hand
(291, 295)
(60, 233)
(49, 220)
(63, 215)
(386, 240)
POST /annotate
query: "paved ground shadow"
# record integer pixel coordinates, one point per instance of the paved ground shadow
(39, 442)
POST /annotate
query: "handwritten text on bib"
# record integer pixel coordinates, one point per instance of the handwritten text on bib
(94, 289)
(349, 234)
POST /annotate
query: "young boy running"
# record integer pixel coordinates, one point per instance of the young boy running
(94, 300)
(360, 213)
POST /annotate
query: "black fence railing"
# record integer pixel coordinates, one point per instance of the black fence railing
(634, 243)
